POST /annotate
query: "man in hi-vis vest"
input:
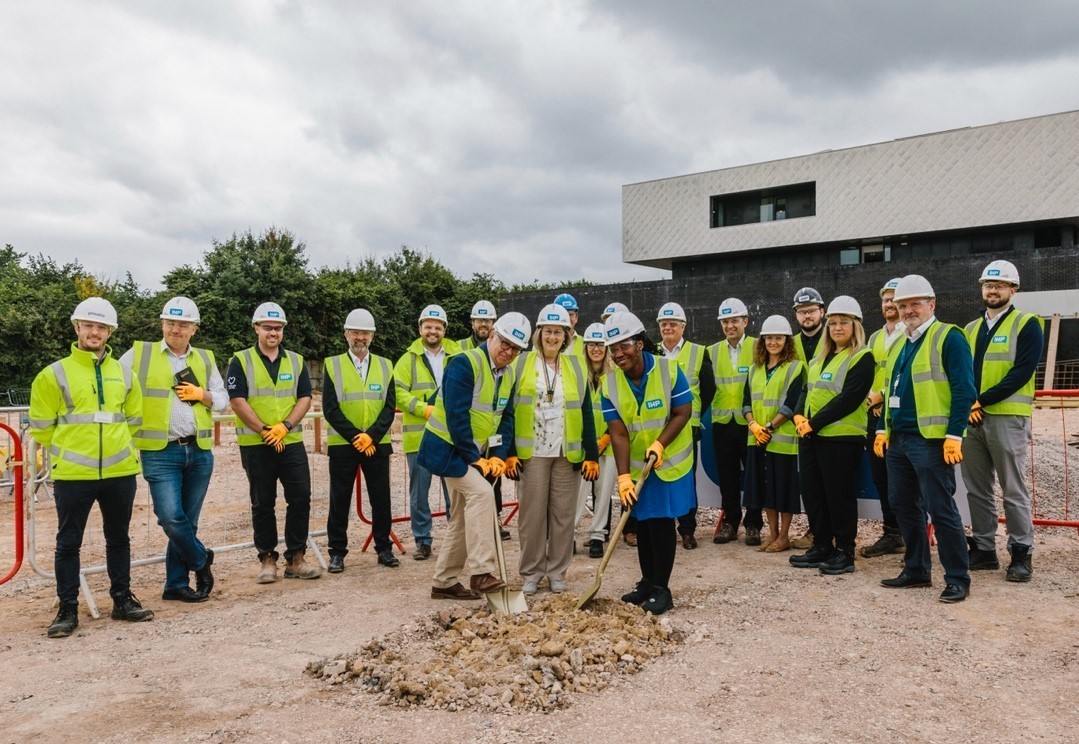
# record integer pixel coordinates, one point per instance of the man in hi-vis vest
(84, 409)
(270, 393)
(359, 402)
(181, 388)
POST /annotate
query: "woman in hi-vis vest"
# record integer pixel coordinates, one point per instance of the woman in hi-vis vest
(599, 364)
(554, 438)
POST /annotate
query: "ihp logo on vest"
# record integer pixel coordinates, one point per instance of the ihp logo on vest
(285, 377)
(653, 404)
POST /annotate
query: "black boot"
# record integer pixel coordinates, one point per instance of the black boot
(1020, 568)
(127, 607)
(640, 593)
(204, 577)
(890, 542)
(67, 619)
(840, 562)
(981, 560)
(812, 558)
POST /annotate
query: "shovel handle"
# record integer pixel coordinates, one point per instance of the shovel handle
(617, 533)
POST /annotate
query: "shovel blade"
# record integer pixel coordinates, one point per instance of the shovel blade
(507, 601)
(590, 594)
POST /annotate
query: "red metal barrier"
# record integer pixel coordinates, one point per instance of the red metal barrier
(17, 474)
(1066, 521)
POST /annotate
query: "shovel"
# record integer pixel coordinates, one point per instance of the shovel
(505, 600)
(617, 533)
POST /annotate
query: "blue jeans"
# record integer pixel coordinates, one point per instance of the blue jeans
(419, 487)
(920, 482)
(178, 476)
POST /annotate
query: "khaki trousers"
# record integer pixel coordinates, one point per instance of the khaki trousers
(548, 504)
(471, 532)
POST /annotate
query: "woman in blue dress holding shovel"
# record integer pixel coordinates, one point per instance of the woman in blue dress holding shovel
(647, 404)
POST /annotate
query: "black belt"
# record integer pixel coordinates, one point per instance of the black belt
(184, 440)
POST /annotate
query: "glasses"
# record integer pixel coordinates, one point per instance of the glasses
(623, 345)
(271, 329)
(507, 347)
(807, 312)
(840, 323)
(996, 285)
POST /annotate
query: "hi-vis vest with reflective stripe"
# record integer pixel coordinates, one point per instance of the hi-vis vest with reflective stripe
(825, 382)
(1000, 358)
(489, 400)
(81, 448)
(766, 395)
(932, 395)
(271, 400)
(151, 366)
(596, 394)
(468, 344)
(524, 405)
(646, 420)
(415, 388)
(361, 401)
(730, 382)
(878, 344)
(690, 358)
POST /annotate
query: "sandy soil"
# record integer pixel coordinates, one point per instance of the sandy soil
(771, 653)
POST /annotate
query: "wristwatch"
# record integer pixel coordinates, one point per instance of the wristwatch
(288, 425)
(769, 426)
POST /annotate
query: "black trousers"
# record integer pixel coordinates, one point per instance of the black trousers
(729, 444)
(74, 499)
(344, 460)
(687, 523)
(656, 544)
(828, 470)
(879, 469)
(264, 468)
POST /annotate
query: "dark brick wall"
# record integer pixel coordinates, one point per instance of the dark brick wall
(766, 293)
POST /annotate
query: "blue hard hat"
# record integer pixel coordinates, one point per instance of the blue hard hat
(567, 301)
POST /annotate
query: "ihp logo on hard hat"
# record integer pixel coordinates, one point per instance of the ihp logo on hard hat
(272, 314)
(610, 310)
(552, 316)
(804, 298)
(433, 313)
(518, 333)
(175, 311)
(725, 311)
(992, 272)
(667, 312)
(613, 332)
(481, 311)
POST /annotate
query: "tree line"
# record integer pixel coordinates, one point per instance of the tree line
(37, 296)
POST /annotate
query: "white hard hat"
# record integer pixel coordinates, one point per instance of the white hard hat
(614, 307)
(484, 310)
(360, 320)
(621, 326)
(96, 310)
(434, 312)
(553, 314)
(889, 286)
(912, 286)
(732, 307)
(270, 311)
(594, 334)
(1001, 271)
(180, 308)
(515, 328)
(671, 311)
(776, 325)
(844, 305)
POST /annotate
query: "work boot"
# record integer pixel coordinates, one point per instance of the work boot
(812, 558)
(659, 602)
(595, 548)
(268, 572)
(66, 620)
(298, 568)
(981, 560)
(1020, 568)
(890, 542)
(840, 562)
(727, 533)
(204, 577)
(804, 542)
(128, 607)
(640, 593)
(753, 536)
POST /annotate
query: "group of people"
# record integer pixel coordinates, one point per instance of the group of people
(572, 418)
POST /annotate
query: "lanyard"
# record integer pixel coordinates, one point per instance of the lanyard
(901, 363)
(550, 381)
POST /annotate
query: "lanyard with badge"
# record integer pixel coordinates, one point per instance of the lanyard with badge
(547, 407)
(900, 365)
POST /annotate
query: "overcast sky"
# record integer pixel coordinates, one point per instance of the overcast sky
(496, 136)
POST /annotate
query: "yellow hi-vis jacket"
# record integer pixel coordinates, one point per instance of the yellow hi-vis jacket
(824, 383)
(574, 382)
(416, 390)
(271, 400)
(156, 378)
(730, 381)
(1000, 358)
(361, 400)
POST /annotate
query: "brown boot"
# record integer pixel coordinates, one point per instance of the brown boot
(268, 572)
(298, 568)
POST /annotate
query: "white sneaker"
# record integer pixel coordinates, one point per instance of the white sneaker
(558, 586)
(530, 586)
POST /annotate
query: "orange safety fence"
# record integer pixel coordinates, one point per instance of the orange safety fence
(17, 485)
(1064, 519)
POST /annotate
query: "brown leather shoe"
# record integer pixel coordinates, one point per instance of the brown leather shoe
(486, 583)
(689, 542)
(298, 568)
(422, 552)
(457, 591)
(630, 538)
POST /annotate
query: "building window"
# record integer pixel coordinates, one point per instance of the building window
(764, 205)
(850, 256)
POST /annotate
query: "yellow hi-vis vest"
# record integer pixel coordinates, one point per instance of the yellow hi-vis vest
(151, 366)
(825, 382)
(730, 381)
(576, 348)
(1000, 358)
(799, 347)
(468, 344)
(85, 412)
(361, 400)
(646, 420)
(766, 395)
(489, 401)
(524, 405)
(929, 381)
(271, 400)
(690, 358)
(878, 344)
(416, 388)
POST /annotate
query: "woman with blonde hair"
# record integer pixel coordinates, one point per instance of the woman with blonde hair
(598, 364)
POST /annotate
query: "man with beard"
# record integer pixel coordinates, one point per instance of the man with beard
(1007, 345)
(483, 317)
(809, 314)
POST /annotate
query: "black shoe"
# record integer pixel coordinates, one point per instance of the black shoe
(640, 593)
(906, 581)
(595, 548)
(129, 608)
(981, 560)
(66, 620)
(504, 533)
(184, 594)
(890, 542)
(1020, 568)
(659, 602)
(337, 564)
(840, 562)
(954, 593)
(812, 558)
(204, 577)
(753, 537)
(727, 533)
(423, 552)
(387, 558)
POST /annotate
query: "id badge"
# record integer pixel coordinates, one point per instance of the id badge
(893, 402)
(102, 417)
(495, 440)
(550, 414)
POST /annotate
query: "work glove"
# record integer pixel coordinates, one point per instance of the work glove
(880, 444)
(482, 465)
(801, 426)
(655, 450)
(188, 392)
(514, 466)
(275, 436)
(874, 403)
(496, 467)
(590, 470)
(626, 492)
(428, 411)
(953, 451)
(977, 414)
(762, 435)
(603, 443)
(364, 444)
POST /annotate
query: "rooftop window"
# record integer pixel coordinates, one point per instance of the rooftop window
(764, 205)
